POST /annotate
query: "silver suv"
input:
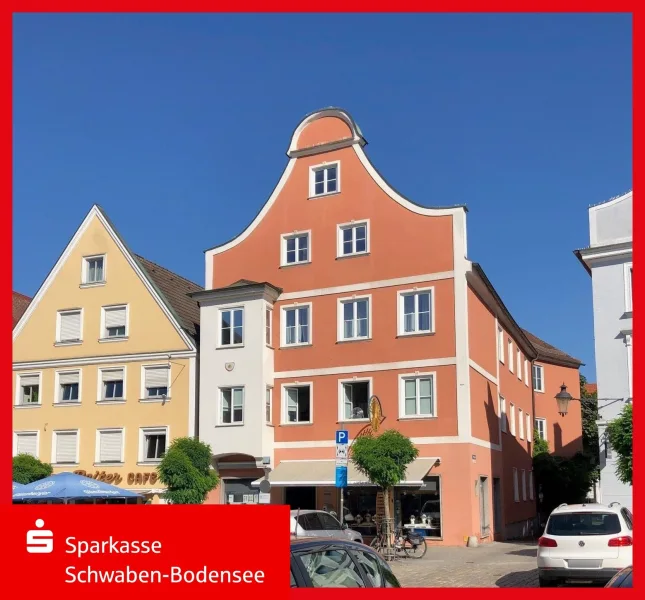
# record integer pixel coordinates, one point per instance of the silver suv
(318, 523)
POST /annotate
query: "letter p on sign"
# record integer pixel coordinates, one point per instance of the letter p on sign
(342, 436)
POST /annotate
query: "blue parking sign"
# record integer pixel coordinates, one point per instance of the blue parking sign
(342, 437)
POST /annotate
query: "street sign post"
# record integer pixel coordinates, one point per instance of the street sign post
(342, 455)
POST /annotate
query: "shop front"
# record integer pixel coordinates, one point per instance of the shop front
(145, 483)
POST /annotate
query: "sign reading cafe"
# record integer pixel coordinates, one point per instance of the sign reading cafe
(116, 479)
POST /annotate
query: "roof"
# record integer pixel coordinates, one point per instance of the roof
(591, 388)
(174, 290)
(303, 543)
(591, 507)
(550, 354)
(19, 304)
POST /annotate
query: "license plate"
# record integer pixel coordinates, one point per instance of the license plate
(585, 564)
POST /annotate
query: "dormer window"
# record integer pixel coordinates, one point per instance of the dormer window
(296, 248)
(93, 270)
(324, 179)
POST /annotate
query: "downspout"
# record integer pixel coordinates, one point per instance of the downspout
(197, 386)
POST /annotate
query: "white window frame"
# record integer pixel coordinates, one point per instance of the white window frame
(510, 355)
(283, 324)
(78, 445)
(529, 428)
(401, 294)
(630, 372)
(524, 485)
(121, 338)
(283, 248)
(628, 287)
(542, 435)
(85, 268)
(18, 394)
(99, 384)
(531, 492)
(97, 449)
(512, 427)
(502, 414)
(284, 407)
(268, 326)
(516, 486)
(268, 396)
(536, 389)
(500, 344)
(351, 225)
(230, 308)
(59, 314)
(403, 377)
(220, 405)
(312, 178)
(520, 421)
(141, 460)
(18, 433)
(57, 390)
(340, 313)
(519, 364)
(527, 374)
(341, 398)
(143, 397)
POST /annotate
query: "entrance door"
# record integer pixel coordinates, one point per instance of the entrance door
(497, 505)
(483, 507)
(300, 497)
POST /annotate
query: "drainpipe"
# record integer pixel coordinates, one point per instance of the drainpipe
(197, 386)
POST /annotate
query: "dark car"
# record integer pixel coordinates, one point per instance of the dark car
(622, 579)
(334, 563)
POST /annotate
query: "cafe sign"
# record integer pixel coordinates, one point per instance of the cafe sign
(115, 478)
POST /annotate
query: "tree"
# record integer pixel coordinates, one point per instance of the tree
(589, 406)
(186, 471)
(27, 469)
(619, 434)
(540, 446)
(384, 459)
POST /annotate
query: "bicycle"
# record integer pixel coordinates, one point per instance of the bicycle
(411, 544)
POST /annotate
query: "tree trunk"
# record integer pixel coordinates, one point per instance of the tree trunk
(388, 528)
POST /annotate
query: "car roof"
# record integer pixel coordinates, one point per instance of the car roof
(590, 507)
(307, 511)
(305, 543)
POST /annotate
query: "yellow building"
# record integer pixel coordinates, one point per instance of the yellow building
(105, 362)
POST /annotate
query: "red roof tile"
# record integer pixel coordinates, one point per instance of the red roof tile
(20, 302)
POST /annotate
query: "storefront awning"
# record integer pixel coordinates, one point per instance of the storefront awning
(323, 472)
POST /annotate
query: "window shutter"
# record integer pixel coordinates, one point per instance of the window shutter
(112, 375)
(110, 446)
(115, 317)
(157, 377)
(26, 380)
(27, 443)
(64, 378)
(66, 447)
(70, 326)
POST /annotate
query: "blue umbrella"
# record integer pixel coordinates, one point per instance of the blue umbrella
(69, 486)
(16, 485)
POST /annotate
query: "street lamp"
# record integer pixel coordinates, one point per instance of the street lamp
(563, 398)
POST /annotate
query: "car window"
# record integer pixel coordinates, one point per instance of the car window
(628, 518)
(584, 523)
(332, 568)
(328, 522)
(371, 566)
(310, 521)
(293, 580)
(390, 579)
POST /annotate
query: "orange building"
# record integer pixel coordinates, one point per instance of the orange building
(342, 289)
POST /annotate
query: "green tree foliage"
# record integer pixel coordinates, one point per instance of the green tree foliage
(619, 432)
(589, 402)
(540, 446)
(27, 469)
(186, 471)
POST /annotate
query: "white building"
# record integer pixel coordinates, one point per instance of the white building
(608, 260)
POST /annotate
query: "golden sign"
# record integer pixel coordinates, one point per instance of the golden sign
(115, 478)
(375, 413)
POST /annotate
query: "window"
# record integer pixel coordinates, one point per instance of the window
(324, 179)
(69, 387)
(371, 566)
(500, 344)
(25, 442)
(298, 404)
(112, 385)
(231, 406)
(267, 326)
(502, 413)
(629, 521)
(115, 319)
(109, 445)
(331, 568)
(28, 392)
(297, 327)
(156, 382)
(296, 248)
(519, 365)
(93, 270)
(512, 418)
(516, 487)
(583, 524)
(355, 319)
(418, 396)
(328, 522)
(540, 428)
(268, 405)
(353, 239)
(531, 493)
(415, 312)
(153, 442)
(69, 326)
(293, 580)
(630, 375)
(65, 450)
(524, 485)
(628, 287)
(538, 378)
(608, 451)
(510, 355)
(355, 400)
(231, 327)
(526, 372)
(529, 436)
(520, 419)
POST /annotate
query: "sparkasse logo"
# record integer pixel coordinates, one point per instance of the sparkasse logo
(40, 541)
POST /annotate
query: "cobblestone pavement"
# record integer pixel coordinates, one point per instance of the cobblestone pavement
(491, 565)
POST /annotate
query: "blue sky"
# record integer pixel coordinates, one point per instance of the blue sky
(178, 125)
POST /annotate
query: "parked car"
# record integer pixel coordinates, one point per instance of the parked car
(622, 579)
(585, 542)
(335, 563)
(319, 523)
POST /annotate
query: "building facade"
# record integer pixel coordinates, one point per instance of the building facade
(608, 260)
(342, 289)
(105, 362)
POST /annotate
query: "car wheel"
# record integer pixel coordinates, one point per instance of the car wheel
(547, 582)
